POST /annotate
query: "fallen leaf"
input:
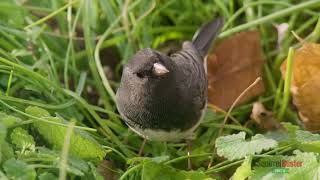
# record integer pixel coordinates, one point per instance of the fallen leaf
(305, 86)
(264, 118)
(236, 63)
(105, 168)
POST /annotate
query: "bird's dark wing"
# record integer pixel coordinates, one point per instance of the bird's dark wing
(204, 37)
(192, 79)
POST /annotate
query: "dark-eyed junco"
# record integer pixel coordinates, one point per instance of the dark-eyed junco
(163, 97)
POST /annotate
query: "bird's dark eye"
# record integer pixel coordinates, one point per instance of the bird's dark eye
(140, 75)
(263, 114)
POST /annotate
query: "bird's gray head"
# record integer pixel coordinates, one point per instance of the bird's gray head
(148, 73)
(149, 64)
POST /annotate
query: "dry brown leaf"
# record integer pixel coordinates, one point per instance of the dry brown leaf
(236, 63)
(105, 169)
(305, 86)
(264, 118)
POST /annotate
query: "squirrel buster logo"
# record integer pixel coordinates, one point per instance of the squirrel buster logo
(281, 166)
(285, 163)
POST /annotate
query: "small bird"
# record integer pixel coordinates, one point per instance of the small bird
(163, 97)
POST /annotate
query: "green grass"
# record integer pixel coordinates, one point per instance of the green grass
(53, 53)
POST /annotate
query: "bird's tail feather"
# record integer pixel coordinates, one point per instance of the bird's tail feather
(204, 37)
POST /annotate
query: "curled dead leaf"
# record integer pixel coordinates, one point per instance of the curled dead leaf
(305, 86)
(237, 61)
(264, 118)
(281, 29)
(105, 168)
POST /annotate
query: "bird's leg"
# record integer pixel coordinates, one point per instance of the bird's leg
(165, 145)
(125, 140)
(189, 146)
(142, 146)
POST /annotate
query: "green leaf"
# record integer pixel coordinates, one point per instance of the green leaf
(157, 159)
(47, 176)
(244, 170)
(21, 138)
(92, 13)
(157, 171)
(235, 146)
(3, 176)
(8, 120)
(291, 129)
(306, 136)
(11, 13)
(3, 133)
(94, 173)
(81, 143)
(6, 151)
(307, 141)
(310, 167)
(75, 165)
(19, 170)
(21, 52)
(279, 136)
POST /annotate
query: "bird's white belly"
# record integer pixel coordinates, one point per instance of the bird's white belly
(161, 135)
